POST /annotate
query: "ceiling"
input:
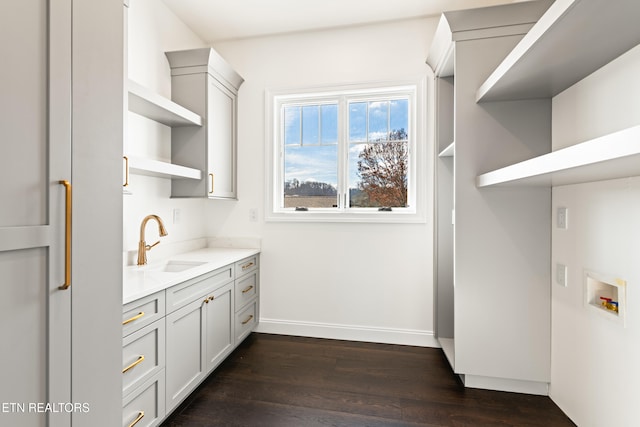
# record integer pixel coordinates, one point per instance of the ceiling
(217, 20)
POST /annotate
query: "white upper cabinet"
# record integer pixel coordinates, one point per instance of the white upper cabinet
(204, 82)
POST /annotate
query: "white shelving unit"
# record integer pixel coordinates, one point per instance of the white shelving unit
(162, 110)
(449, 151)
(612, 156)
(149, 167)
(571, 40)
(158, 108)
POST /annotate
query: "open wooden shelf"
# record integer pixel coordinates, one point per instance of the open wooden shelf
(143, 166)
(571, 40)
(449, 151)
(612, 156)
(156, 107)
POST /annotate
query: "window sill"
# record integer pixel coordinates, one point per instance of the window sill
(351, 217)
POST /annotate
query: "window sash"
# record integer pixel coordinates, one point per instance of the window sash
(343, 99)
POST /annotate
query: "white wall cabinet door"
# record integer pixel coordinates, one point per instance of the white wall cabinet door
(221, 146)
(35, 313)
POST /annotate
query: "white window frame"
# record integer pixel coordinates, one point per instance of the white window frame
(274, 170)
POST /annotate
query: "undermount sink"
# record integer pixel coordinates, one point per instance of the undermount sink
(175, 266)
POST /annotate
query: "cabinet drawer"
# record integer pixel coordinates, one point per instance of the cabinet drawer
(145, 406)
(184, 293)
(246, 321)
(246, 265)
(142, 355)
(142, 312)
(246, 288)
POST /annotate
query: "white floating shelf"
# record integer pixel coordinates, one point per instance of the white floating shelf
(612, 156)
(449, 151)
(156, 107)
(571, 40)
(142, 166)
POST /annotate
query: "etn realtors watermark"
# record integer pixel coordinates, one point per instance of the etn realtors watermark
(43, 407)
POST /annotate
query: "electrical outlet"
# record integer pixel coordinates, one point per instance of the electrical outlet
(177, 214)
(562, 218)
(253, 215)
(561, 274)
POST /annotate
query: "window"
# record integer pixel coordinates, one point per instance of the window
(345, 155)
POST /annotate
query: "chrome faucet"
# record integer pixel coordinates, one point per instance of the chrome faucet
(142, 245)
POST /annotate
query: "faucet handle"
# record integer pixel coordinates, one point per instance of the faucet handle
(148, 247)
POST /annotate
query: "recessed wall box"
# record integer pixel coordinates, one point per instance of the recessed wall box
(605, 295)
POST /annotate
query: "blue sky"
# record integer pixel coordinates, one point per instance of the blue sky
(311, 136)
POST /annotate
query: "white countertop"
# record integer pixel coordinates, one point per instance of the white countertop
(140, 281)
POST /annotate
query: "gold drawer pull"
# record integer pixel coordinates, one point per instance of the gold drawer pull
(248, 320)
(136, 317)
(244, 267)
(244, 291)
(206, 300)
(137, 420)
(137, 362)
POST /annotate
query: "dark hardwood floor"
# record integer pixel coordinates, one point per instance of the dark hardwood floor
(273, 380)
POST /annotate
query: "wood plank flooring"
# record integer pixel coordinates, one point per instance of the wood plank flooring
(282, 381)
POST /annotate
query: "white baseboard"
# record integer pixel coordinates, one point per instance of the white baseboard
(504, 384)
(348, 332)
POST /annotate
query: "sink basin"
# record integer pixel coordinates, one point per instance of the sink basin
(175, 266)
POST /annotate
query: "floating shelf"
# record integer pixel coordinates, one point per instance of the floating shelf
(142, 166)
(449, 151)
(156, 107)
(571, 40)
(612, 156)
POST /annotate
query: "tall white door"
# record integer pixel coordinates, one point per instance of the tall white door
(35, 135)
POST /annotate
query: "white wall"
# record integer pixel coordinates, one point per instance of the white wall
(353, 281)
(595, 361)
(153, 29)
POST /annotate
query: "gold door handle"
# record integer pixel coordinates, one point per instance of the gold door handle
(212, 183)
(134, 364)
(67, 235)
(248, 320)
(247, 289)
(137, 420)
(244, 267)
(126, 171)
(136, 317)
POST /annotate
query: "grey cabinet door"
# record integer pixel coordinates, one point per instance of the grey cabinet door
(219, 326)
(35, 124)
(185, 347)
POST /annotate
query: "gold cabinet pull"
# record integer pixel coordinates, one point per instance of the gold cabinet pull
(67, 235)
(206, 300)
(244, 267)
(134, 364)
(212, 183)
(126, 171)
(136, 317)
(248, 320)
(138, 418)
(247, 289)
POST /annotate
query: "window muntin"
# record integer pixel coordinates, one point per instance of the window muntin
(321, 139)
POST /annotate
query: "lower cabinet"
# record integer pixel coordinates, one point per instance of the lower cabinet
(199, 337)
(165, 360)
